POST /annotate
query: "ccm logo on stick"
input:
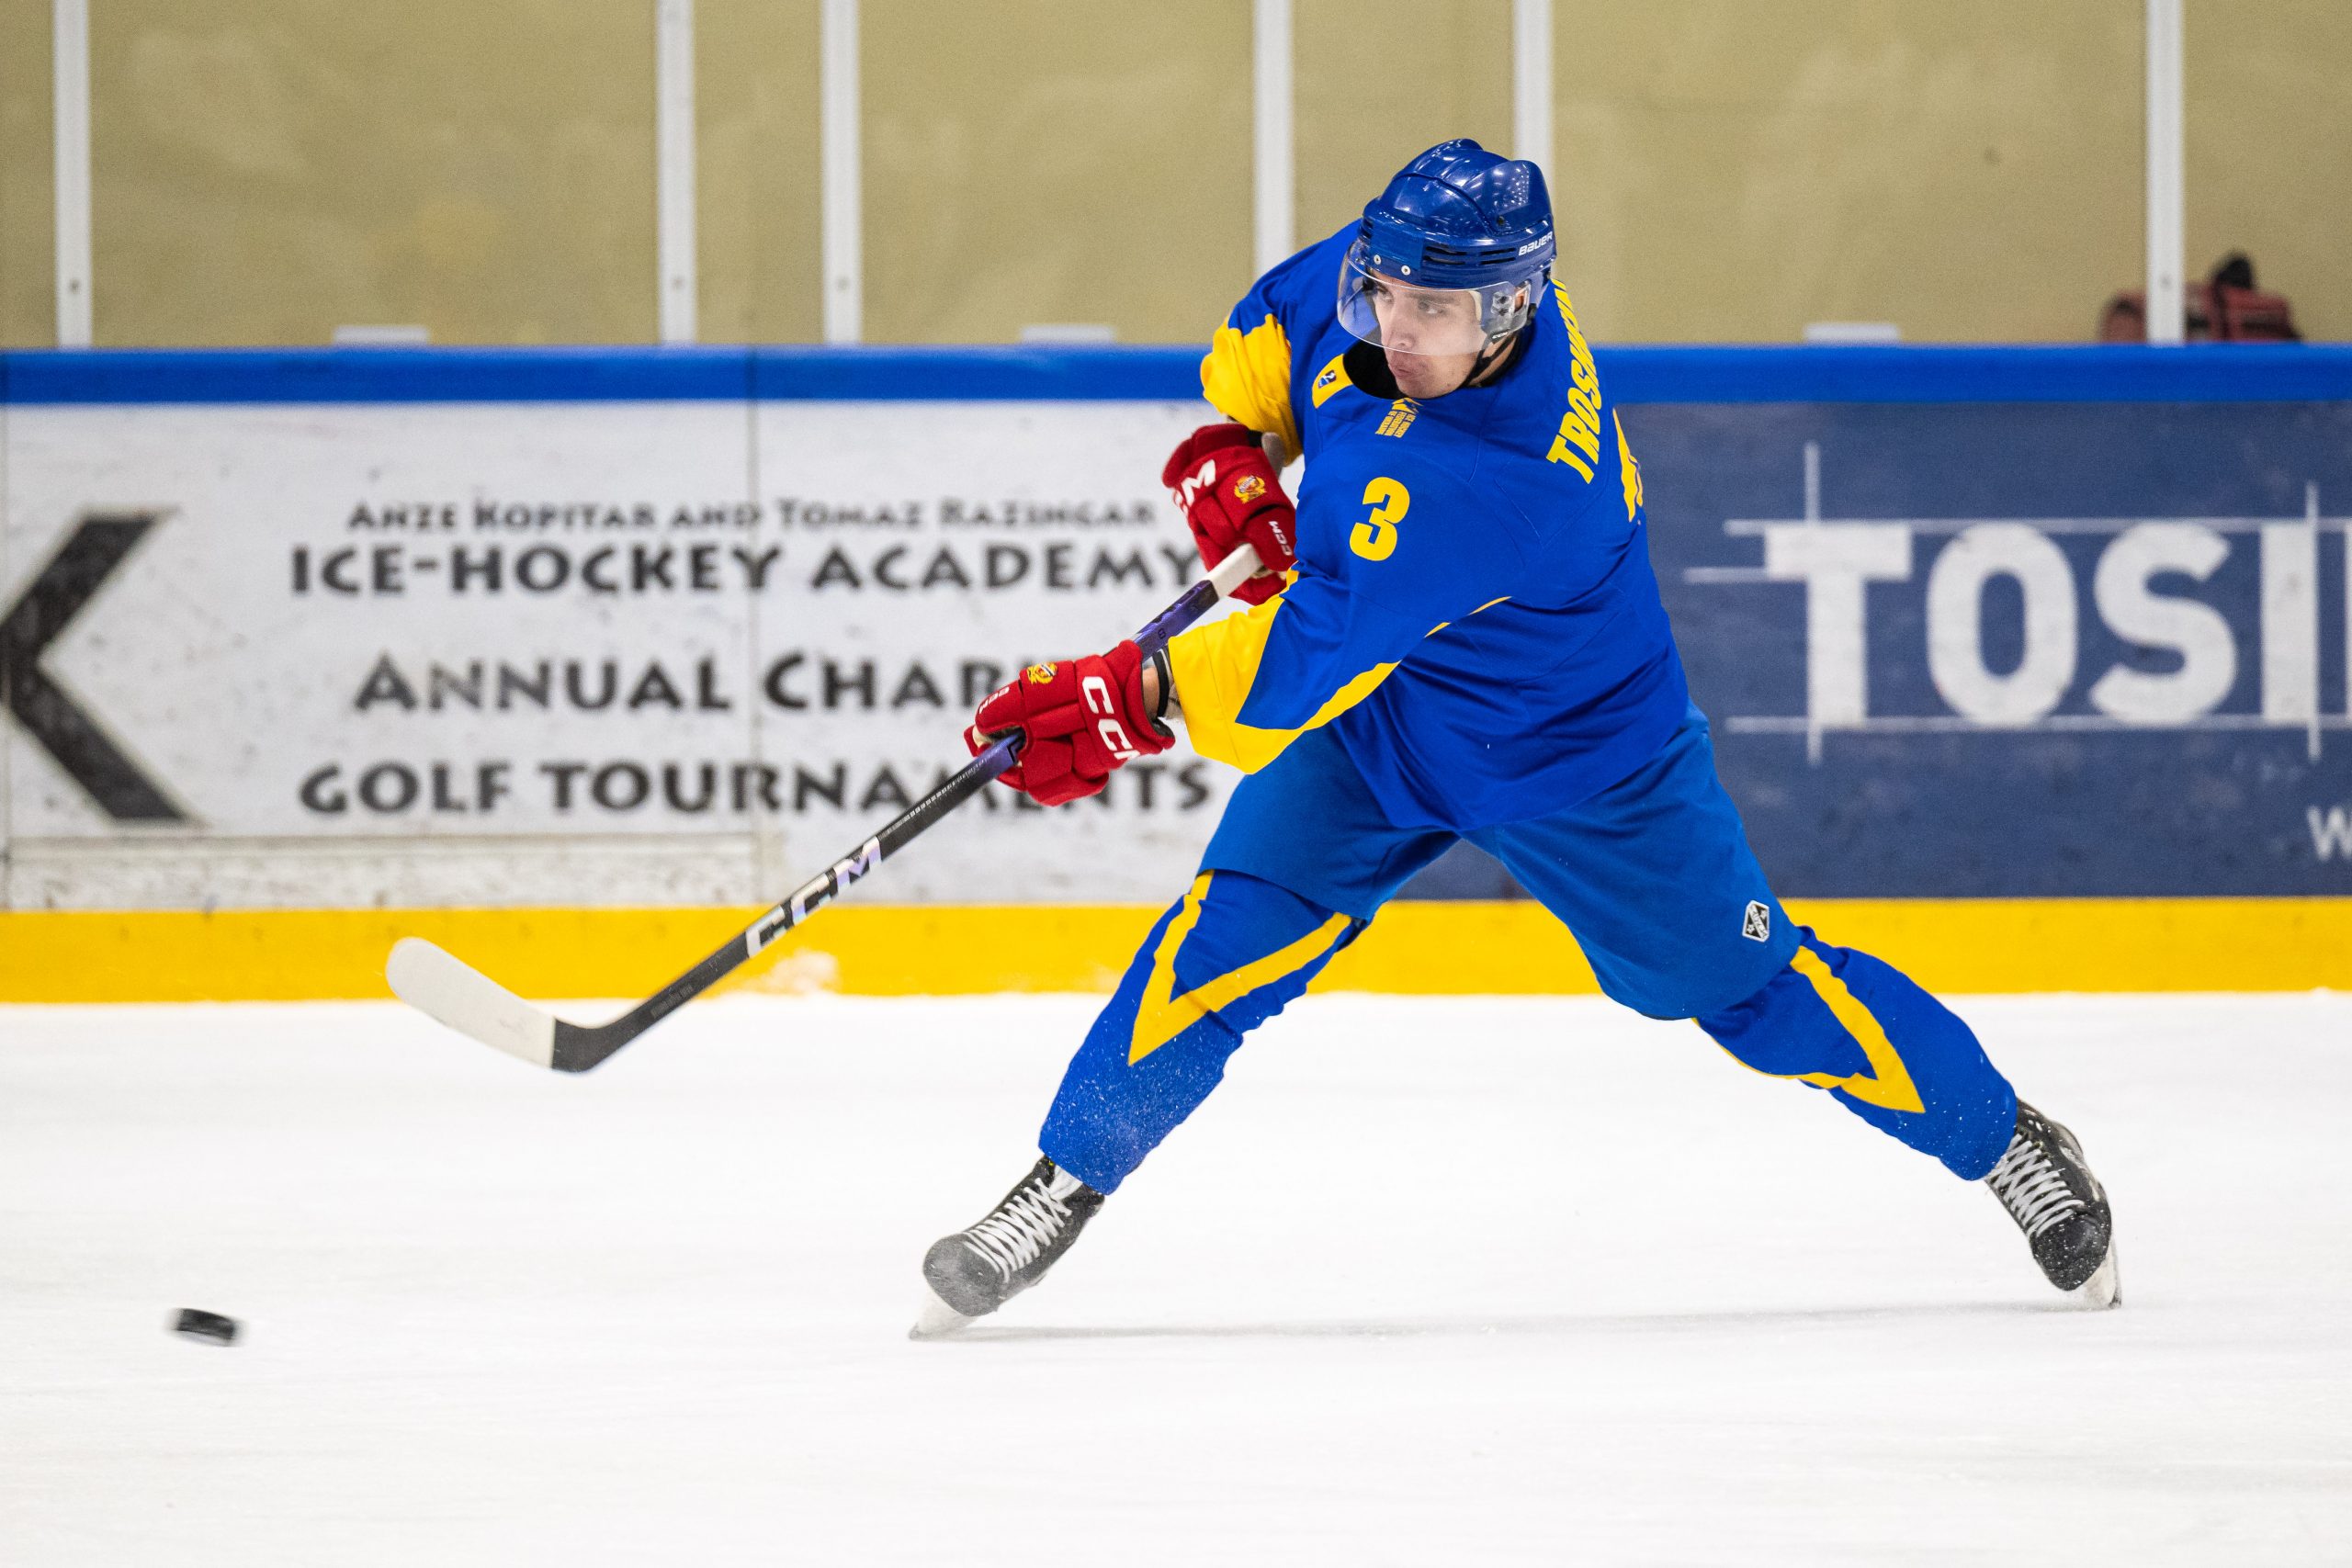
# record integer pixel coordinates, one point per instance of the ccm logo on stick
(809, 894)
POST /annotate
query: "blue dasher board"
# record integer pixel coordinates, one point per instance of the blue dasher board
(2019, 649)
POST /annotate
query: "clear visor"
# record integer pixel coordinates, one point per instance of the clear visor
(1385, 309)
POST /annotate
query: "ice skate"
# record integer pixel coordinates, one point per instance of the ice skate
(971, 1273)
(2047, 1186)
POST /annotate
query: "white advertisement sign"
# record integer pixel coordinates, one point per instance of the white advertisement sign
(565, 652)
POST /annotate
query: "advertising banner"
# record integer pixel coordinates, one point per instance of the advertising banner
(682, 648)
(615, 652)
(2077, 649)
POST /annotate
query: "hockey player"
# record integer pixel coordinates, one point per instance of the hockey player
(1459, 637)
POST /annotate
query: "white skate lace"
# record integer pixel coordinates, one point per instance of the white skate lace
(2030, 1183)
(1020, 1229)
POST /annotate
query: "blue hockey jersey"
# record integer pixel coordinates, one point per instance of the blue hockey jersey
(1474, 612)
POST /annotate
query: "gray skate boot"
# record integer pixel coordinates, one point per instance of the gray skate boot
(2048, 1188)
(977, 1271)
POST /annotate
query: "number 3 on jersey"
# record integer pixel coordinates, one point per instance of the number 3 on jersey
(1376, 538)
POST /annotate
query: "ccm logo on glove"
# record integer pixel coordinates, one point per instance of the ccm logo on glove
(1114, 737)
(1078, 718)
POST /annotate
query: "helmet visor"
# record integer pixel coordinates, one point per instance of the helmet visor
(1381, 306)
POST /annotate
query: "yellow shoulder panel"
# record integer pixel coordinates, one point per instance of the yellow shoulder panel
(1214, 666)
(1247, 376)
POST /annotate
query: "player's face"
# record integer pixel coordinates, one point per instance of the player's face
(1422, 332)
(1426, 376)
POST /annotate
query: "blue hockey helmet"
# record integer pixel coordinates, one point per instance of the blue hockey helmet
(1452, 258)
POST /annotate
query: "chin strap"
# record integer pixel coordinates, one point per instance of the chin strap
(1493, 355)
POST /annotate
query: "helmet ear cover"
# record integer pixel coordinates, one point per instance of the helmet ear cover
(1507, 308)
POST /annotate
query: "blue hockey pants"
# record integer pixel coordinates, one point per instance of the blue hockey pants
(1654, 877)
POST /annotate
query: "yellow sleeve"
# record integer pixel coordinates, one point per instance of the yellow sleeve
(1247, 376)
(1215, 667)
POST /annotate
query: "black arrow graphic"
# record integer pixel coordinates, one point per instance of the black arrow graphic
(49, 716)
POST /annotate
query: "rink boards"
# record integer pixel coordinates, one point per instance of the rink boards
(1416, 947)
(2027, 666)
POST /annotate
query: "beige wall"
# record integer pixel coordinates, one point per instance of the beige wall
(1377, 81)
(1055, 160)
(2269, 154)
(266, 170)
(27, 268)
(1729, 170)
(1724, 169)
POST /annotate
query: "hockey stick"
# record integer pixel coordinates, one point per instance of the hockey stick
(429, 979)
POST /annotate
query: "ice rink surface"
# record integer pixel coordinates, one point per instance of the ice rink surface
(1427, 1282)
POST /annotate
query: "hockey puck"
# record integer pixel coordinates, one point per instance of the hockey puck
(209, 1327)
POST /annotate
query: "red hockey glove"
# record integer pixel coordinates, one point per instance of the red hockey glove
(1082, 717)
(1231, 496)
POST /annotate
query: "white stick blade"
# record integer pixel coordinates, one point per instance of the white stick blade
(470, 1001)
